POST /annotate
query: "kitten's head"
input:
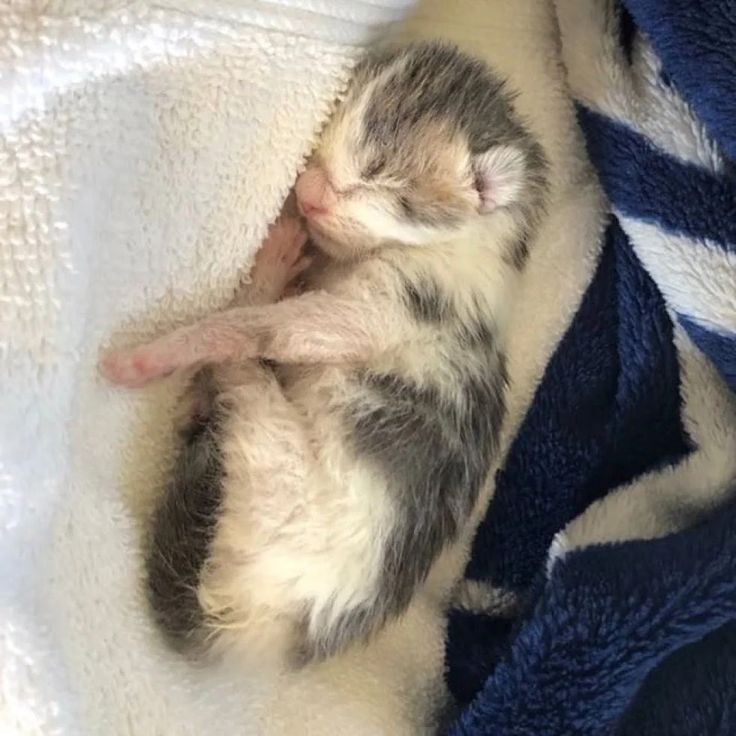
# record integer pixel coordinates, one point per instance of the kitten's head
(425, 141)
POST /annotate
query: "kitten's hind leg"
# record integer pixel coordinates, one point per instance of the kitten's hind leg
(238, 477)
(246, 589)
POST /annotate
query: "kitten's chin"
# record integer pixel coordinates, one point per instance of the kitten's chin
(331, 247)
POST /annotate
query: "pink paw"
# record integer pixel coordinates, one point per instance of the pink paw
(132, 368)
(280, 258)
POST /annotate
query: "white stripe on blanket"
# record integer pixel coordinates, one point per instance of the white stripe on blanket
(634, 93)
(696, 278)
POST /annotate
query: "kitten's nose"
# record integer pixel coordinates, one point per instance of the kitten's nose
(314, 194)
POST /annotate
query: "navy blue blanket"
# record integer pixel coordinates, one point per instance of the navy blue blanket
(611, 530)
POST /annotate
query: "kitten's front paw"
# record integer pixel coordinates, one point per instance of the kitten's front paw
(280, 259)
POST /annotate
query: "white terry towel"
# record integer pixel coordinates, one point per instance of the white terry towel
(144, 148)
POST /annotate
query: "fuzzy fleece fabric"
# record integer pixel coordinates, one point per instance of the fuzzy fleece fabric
(609, 539)
(144, 149)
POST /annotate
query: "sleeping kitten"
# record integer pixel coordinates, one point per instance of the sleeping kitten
(309, 504)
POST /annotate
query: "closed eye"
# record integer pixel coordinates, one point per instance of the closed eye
(347, 191)
(374, 168)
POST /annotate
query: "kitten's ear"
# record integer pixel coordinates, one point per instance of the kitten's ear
(499, 177)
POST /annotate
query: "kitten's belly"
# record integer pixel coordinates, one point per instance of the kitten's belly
(321, 394)
(346, 500)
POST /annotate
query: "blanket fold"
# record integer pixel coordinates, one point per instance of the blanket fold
(635, 636)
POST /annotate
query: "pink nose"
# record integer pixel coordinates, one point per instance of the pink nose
(314, 194)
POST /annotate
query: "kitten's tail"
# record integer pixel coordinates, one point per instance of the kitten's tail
(184, 523)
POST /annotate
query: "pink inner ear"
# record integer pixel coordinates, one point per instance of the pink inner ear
(485, 193)
(499, 177)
